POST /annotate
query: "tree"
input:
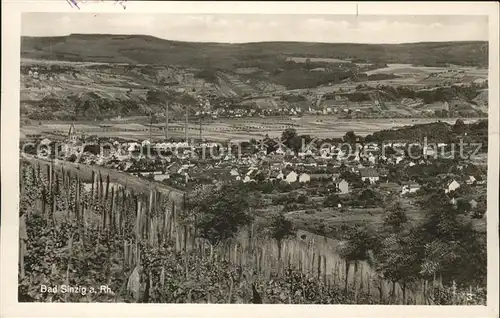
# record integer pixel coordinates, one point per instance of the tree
(260, 177)
(463, 206)
(369, 198)
(219, 213)
(350, 137)
(288, 134)
(281, 228)
(291, 140)
(270, 145)
(399, 260)
(354, 179)
(301, 199)
(72, 158)
(459, 127)
(358, 245)
(451, 245)
(396, 218)
(332, 200)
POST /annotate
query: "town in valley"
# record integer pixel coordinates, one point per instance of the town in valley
(262, 172)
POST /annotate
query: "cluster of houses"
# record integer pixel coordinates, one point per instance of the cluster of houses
(323, 165)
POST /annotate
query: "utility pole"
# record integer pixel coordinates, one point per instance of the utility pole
(150, 124)
(166, 123)
(186, 126)
(201, 118)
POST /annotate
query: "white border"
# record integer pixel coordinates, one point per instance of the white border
(10, 161)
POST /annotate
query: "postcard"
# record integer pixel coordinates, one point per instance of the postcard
(211, 159)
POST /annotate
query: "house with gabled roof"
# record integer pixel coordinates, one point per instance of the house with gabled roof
(234, 172)
(291, 177)
(470, 180)
(343, 186)
(409, 187)
(369, 174)
(473, 204)
(45, 142)
(304, 177)
(451, 186)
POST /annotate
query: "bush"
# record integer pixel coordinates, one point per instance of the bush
(332, 201)
(301, 199)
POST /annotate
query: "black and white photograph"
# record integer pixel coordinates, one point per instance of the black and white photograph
(231, 158)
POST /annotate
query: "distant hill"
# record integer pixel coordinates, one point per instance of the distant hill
(142, 49)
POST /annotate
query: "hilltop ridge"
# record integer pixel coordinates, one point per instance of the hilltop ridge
(146, 49)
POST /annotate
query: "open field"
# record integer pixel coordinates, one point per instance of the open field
(229, 129)
(422, 75)
(334, 218)
(408, 68)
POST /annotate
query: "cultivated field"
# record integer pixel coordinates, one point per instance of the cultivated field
(316, 59)
(424, 76)
(228, 129)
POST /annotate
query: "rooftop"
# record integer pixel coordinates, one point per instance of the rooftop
(369, 173)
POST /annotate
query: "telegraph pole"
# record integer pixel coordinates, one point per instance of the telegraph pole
(150, 124)
(186, 125)
(201, 119)
(166, 122)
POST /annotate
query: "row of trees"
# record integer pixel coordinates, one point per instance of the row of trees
(429, 96)
(434, 132)
(220, 212)
(444, 244)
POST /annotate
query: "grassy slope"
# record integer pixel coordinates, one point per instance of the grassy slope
(150, 50)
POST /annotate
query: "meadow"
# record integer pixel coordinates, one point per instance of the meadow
(316, 59)
(224, 129)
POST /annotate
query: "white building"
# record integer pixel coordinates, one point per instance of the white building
(45, 142)
(410, 188)
(280, 176)
(304, 177)
(291, 177)
(247, 179)
(369, 174)
(471, 180)
(234, 172)
(343, 187)
(452, 186)
(279, 151)
(372, 159)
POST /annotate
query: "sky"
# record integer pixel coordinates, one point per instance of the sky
(239, 28)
